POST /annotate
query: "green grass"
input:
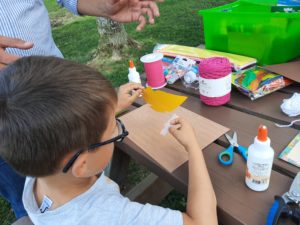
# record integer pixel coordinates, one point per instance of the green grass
(77, 38)
(6, 214)
(179, 23)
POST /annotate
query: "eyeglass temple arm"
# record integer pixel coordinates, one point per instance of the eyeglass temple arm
(72, 160)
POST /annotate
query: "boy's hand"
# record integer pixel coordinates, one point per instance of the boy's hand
(184, 133)
(127, 94)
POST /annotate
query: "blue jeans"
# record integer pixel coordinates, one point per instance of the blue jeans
(11, 188)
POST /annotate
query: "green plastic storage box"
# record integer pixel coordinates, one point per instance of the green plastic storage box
(251, 29)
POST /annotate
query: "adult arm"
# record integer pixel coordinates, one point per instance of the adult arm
(7, 42)
(201, 200)
(123, 11)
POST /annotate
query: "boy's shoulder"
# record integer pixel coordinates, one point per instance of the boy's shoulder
(95, 196)
(101, 204)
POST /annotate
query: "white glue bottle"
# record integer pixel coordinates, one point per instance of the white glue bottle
(260, 161)
(133, 75)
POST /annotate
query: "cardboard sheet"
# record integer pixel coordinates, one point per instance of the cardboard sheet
(289, 70)
(144, 126)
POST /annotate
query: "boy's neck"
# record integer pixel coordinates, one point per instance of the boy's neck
(61, 188)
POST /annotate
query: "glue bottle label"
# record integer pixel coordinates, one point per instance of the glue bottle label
(258, 173)
(260, 161)
(259, 165)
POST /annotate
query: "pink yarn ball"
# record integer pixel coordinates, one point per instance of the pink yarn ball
(215, 68)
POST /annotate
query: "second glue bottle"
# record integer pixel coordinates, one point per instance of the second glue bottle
(260, 161)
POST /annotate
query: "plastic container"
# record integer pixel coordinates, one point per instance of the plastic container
(251, 29)
(260, 161)
(262, 2)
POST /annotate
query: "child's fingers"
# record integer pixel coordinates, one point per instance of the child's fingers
(129, 88)
(173, 131)
(134, 86)
(177, 120)
(175, 128)
(135, 94)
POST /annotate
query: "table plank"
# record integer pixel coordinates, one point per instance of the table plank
(259, 108)
(236, 203)
(295, 87)
(231, 183)
(270, 111)
(245, 125)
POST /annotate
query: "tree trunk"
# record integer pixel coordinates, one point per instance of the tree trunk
(113, 41)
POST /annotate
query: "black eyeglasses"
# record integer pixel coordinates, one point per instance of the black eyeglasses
(122, 133)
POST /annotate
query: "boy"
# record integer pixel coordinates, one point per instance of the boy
(58, 127)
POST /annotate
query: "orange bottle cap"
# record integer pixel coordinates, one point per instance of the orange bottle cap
(262, 133)
(131, 64)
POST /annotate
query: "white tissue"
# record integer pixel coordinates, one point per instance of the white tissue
(167, 125)
(291, 106)
(190, 77)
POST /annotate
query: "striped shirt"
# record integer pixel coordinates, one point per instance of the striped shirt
(29, 21)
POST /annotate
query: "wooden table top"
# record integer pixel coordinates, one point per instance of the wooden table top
(237, 204)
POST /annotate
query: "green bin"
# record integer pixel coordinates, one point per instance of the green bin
(251, 29)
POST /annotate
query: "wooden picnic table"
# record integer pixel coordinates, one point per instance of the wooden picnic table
(237, 204)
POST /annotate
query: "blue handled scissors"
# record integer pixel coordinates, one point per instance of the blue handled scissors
(226, 157)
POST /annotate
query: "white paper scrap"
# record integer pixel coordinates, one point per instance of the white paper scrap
(167, 125)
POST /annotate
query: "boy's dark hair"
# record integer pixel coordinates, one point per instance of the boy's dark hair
(48, 108)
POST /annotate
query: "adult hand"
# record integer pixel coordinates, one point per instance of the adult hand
(127, 94)
(123, 11)
(7, 42)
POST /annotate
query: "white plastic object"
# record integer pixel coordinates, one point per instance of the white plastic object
(152, 57)
(287, 125)
(190, 77)
(133, 75)
(260, 161)
(291, 106)
(167, 125)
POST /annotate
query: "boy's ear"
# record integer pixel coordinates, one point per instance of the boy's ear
(79, 167)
